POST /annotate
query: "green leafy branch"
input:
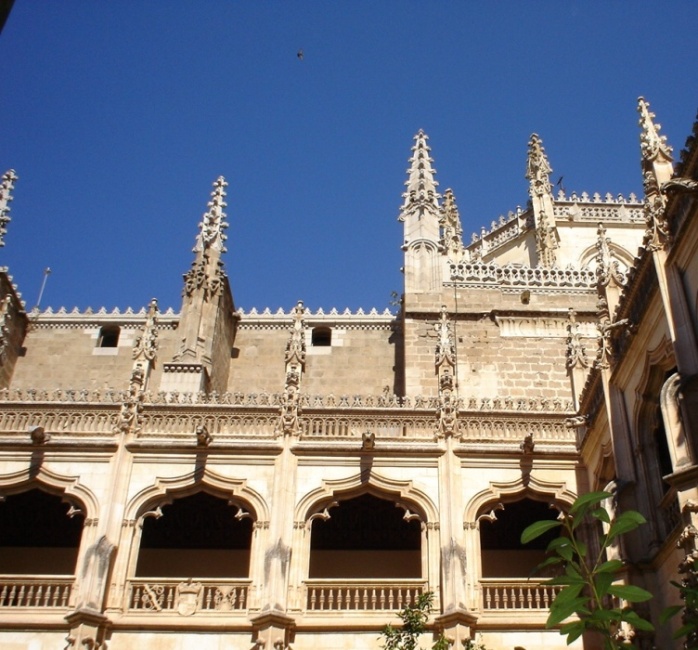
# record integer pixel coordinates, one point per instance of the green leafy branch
(414, 618)
(589, 584)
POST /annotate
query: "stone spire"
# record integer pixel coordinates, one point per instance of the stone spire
(451, 229)
(213, 223)
(657, 169)
(420, 214)
(6, 187)
(538, 172)
(208, 321)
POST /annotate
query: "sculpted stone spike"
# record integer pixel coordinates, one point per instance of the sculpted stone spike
(211, 235)
(6, 187)
(421, 194)
(605, 327)
(653, 145)
(538, 168)
(538, 172)
(656, 171)
(146, 345)
(607, 268)
(295, 359)
(451, 229)
(132, 405)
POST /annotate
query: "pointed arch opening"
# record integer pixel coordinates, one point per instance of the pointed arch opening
(40, 534)
(368, 537)
(200, 535)
(502, 553)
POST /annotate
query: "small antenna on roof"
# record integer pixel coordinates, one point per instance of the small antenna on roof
(47, 272)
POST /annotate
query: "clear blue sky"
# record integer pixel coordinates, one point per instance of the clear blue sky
(118, 116)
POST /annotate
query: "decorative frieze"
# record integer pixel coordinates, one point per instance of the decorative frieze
(482, 275)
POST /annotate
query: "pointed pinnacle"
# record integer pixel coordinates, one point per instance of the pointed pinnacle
(213, 221)
(652, 144)
(421, 184)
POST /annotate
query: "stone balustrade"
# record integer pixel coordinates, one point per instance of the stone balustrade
(366, 595)
(36, 592)
(516, 594)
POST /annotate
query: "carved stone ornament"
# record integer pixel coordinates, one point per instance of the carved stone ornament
(657, 233)
(607, 268)
(6, 187)
(131, 407)
(421, 195)
(652, 145)
(5, 318)
(447, 408)
(576, 354)
(451, 229)
(680, 186)
(605, 327)
(538, 168)
(445, 349)
(188, 597)
(213, 222)
(295, 348)
(196, 277)
(146, 345)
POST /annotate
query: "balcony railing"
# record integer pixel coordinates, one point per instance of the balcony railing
(516, 594)
(35, 592)
(187, 597)
(361, 595)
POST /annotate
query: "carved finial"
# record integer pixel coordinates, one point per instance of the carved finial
(421, 194)
(368, 441)
(6, 187)
(538, 172)
(203, 437)
(653, 145)
(451, 229)
(528, 445)
(213, 221)
(657, 169)
(538, 168)
(146, 345)
(607, 268)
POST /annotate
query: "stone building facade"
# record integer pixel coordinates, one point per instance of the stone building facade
(286, 481)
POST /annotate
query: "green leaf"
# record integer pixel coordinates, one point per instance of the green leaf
(557, 542)
(631, 593)
(603, 581)
(612, 566)
(602, 515)
(568, 593)
(573, 630)
(587, 500)
(565, 551)
(559, 614)
(636, 620)
(625, 522)
(669, 613)
(537, 529)
(565, 580)
(545, 564)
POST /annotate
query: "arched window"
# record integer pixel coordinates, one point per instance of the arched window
(38, 535)
(503, 555)
(196, 536)
(365, 537)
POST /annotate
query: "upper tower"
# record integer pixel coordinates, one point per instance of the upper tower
(420, 214)
(207, 324)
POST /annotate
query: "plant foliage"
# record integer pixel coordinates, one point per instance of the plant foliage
(414, 618)
(590, 590)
